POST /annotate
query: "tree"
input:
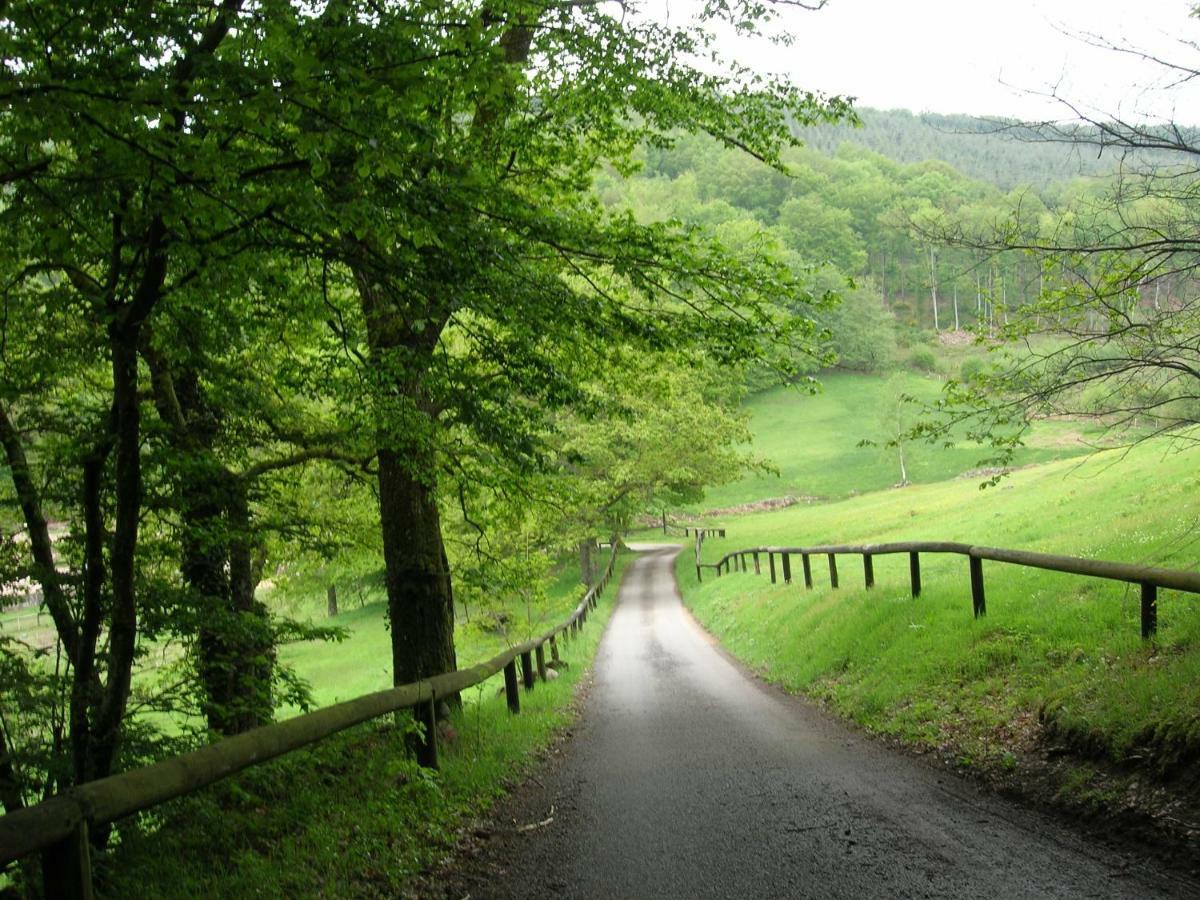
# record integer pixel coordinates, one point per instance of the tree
(1112, 333)
(491, 274)
(245, 238)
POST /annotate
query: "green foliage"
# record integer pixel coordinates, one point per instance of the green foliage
(280, 279)
(923, 360)
(353, 815)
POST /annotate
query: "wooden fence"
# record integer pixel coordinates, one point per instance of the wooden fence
(1148, 578)
(59, 826)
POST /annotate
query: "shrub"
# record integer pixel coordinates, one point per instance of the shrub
(923, 360)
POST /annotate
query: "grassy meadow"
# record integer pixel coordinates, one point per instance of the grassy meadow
(362, 661)
(1057, 661)
(813, 440)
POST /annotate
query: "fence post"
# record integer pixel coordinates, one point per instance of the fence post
(541, 661)
(978, 600)
(868, 571)
(787, 567)
(698, 576)
(771, 560)
(914, 572)
(427, 748)
(757, 567)
(527, 669)
(553, 649)
(67, 866)
(807, 564)
(1149, 610)
(510, 687)
(664, 520)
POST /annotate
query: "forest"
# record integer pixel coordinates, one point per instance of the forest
(374, 317)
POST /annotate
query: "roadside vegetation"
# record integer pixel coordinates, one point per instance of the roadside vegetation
(354, 815)
(1056, 670)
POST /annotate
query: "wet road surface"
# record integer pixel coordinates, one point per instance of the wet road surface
(687, 778)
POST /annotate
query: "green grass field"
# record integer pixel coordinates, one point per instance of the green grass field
(812, 439)
(1058, 658)
(363, 661)
(354, 815)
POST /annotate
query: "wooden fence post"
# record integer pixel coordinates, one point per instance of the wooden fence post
(1149, 610)
(833, 581)
(868, 571)
(510, 687)
(527, 669)
(771, 560)
(757, 566)
(553, 649)
(978, 600)
(427, 748)
(67, 866)
(787, 567)
(541, 661)
(914, 573)
(807, 565)
(698, 576)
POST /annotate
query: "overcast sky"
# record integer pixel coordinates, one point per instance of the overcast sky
(985, 56)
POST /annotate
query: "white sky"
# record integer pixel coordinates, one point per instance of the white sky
(984, 56)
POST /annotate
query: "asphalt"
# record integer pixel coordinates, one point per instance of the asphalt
(687, 777)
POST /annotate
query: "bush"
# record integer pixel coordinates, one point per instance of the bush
(923, 360)
(971, 368)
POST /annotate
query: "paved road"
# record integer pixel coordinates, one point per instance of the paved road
(687, 778)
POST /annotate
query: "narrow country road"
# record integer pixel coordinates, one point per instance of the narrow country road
(687, 778)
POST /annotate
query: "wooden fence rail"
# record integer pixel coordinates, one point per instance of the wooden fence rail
(59, 826)
(1148, 578)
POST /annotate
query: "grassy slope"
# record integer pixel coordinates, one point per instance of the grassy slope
(812, 440)
(353, 816)
(1065, 647)
(363, 661)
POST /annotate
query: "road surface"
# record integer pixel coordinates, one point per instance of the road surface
(688, 778)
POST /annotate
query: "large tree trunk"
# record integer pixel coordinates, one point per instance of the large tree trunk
(420, 597)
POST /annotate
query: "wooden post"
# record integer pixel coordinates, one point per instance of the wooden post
(833, 582)
(978, 600)
(540, 655)
(804, 561)
(664, 520)
(553, 649)
(698, 576)
(527, 669)
(721, 533)
(331, 600)
(757, 567)
(787, 567)
(868, 571)
(510, 687)
(1149, 610)
(771, 560)
(427, 748)
(914, 573)
(67, 866)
